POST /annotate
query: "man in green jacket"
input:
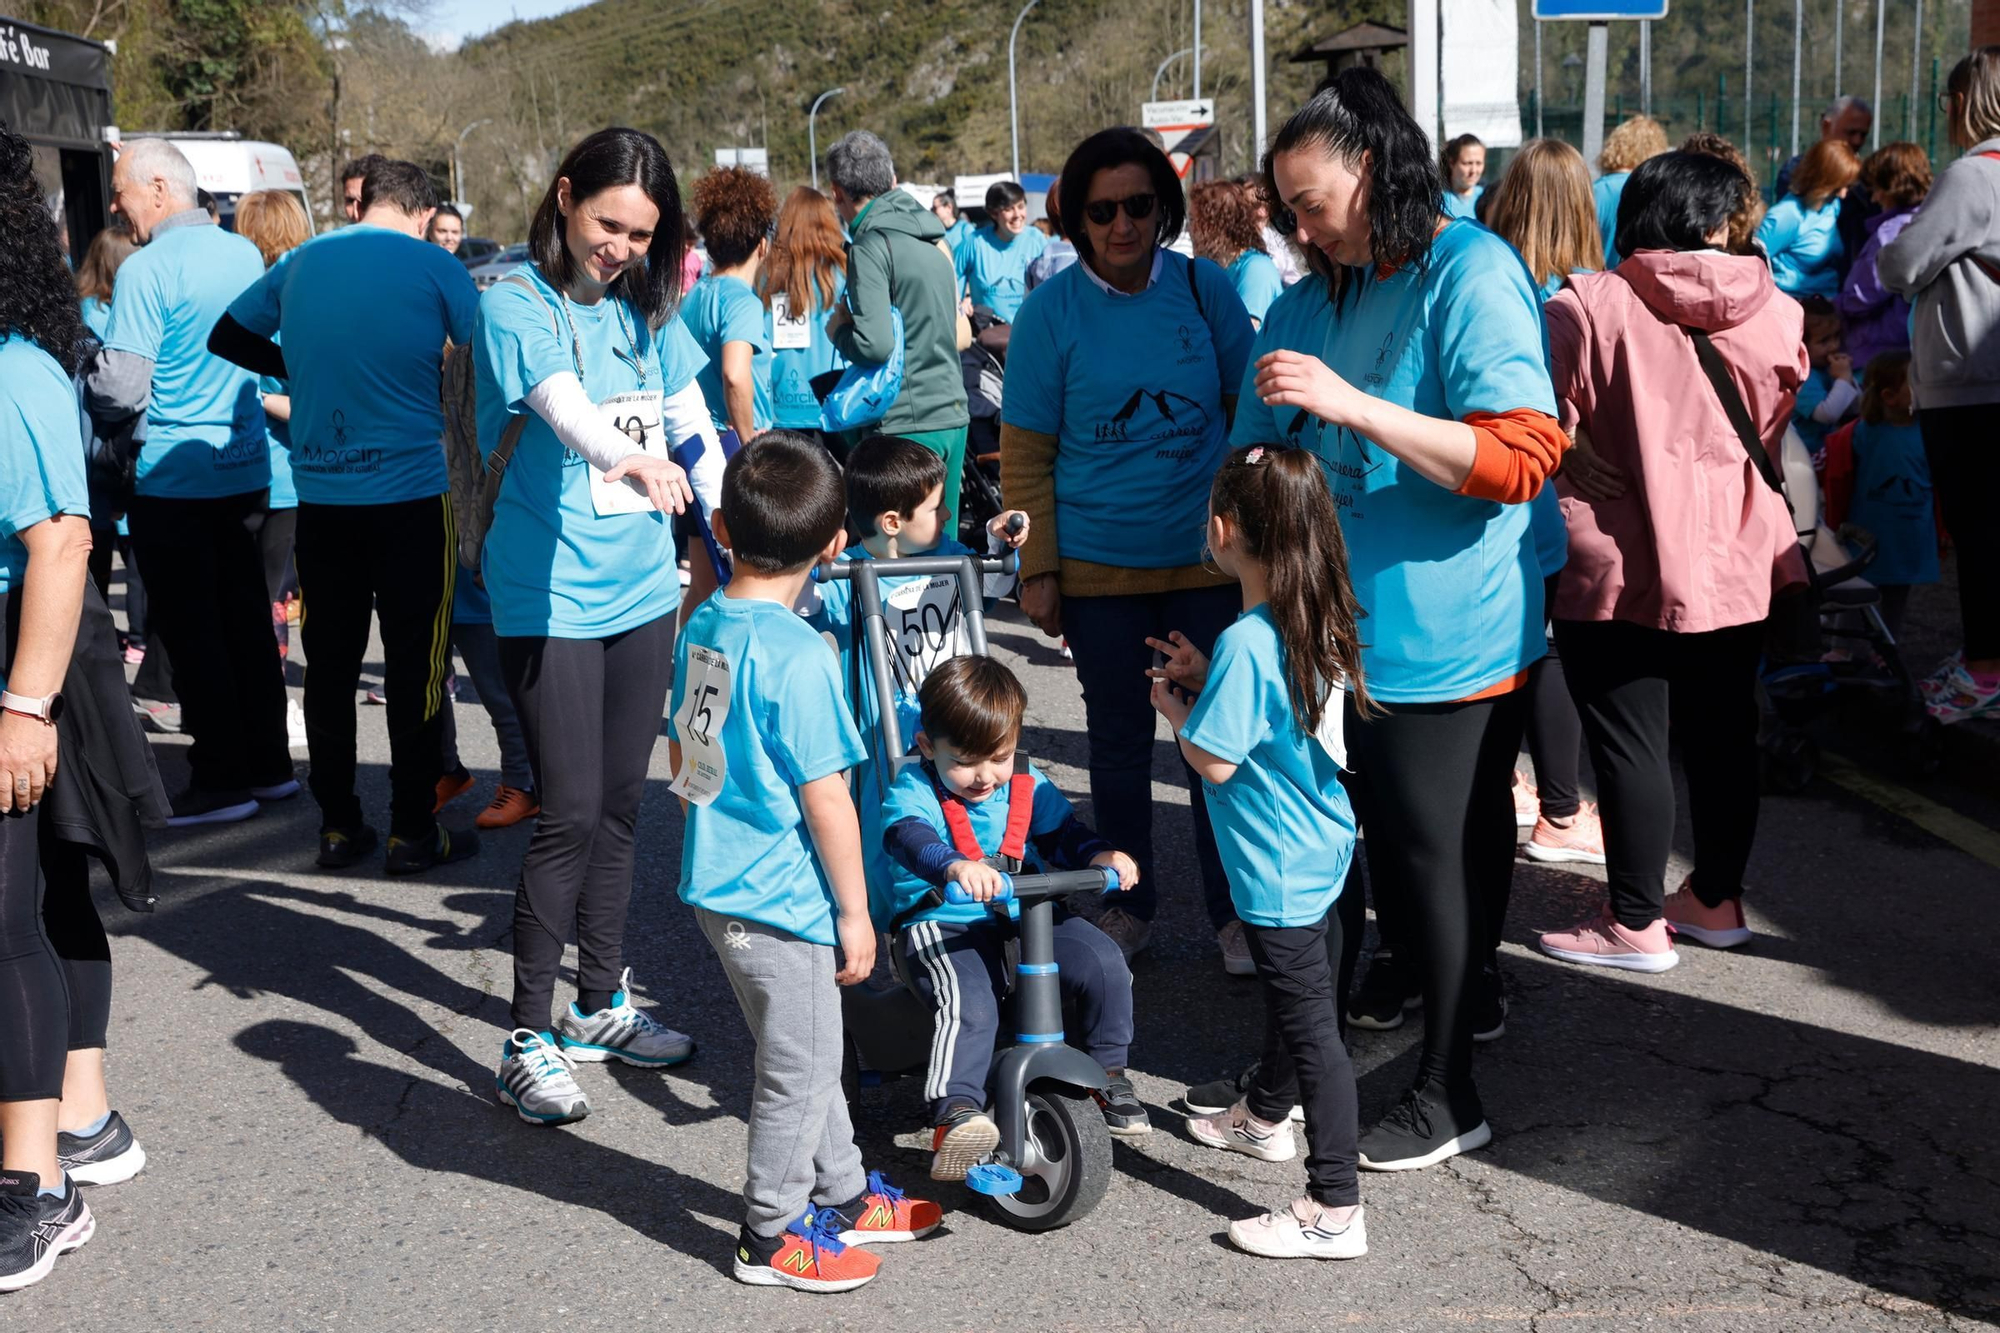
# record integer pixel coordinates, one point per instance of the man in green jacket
(893, 260)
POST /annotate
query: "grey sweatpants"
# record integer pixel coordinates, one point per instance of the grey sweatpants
(801, 1142)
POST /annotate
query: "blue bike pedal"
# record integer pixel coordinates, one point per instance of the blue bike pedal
(992, 1178)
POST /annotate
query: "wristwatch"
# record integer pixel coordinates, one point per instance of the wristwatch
(44, 711)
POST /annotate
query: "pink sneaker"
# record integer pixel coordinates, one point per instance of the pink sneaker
(1527, 802)
(1717, 927)
(1581, 840)
(1605, 943)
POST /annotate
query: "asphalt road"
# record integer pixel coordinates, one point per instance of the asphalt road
(1799, 1135)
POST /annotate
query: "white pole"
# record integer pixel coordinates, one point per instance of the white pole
(1875, 132)
(812, 136)
(1839, 20)
(1593, 92)
(1916, 68)
(1257, 76)
(1013, 102)
(1424, 67)
(1160, 73)
(1798, 56)
(1645, 67)
(1749, 48)
(1539, 97)
(1197, 49)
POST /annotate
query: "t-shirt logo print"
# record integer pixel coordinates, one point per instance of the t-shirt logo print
(1186, 338)
(1175, 422)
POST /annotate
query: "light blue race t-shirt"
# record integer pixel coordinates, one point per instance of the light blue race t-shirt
(205, 434)
(725, 310)
(552, 565)
(1258, 282)
(365, 313)
(1132, 389)
(794, 405)
(1282, 822)
(1463, 205)
(1605, 192)
(779, 724)
(96, 315)
(1451, 584)
(995, 275)
(913, 797)
(284, 495)
(41, 451)
(469, 603)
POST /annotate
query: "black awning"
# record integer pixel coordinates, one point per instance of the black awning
(54, 88)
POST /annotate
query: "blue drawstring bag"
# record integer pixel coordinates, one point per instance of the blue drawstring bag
(865, 394)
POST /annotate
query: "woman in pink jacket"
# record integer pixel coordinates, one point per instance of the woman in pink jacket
(1676, 545)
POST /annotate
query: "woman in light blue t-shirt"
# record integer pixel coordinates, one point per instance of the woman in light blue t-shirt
(801, 283)
(585, 353)
(1224, 225)
(1462, 164)
(1801, 233)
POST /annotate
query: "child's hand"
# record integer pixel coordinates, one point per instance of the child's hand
(1171, 704)
(1840, 366)
(978, 879)
(857, 948)
(998, 527)
(1127, 869)
(1185, 666)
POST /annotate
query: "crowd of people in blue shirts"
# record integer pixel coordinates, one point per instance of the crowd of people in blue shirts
(1373, 477)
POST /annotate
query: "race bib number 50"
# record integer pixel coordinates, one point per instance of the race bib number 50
(704, 708)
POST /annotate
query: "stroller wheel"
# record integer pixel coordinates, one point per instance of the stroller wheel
(1789, 761)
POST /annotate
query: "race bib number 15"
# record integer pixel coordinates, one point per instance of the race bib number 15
(704, 708)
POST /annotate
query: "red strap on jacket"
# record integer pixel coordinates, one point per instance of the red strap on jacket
(1020, 811)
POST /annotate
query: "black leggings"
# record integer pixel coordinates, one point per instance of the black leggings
(591, 710)
(1431, 786)
(1555, 733)
(1965, 470)
(277, 530)
(55, 962)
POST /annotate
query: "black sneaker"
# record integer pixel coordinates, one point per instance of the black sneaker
(197, 805)
(1423, 1129)
(410, 857)
(1489, 1006)
(1217, 1097)
(340, 848)
(35, 1228)
(1124, 1115)
(108, 1157)
(1388, 989)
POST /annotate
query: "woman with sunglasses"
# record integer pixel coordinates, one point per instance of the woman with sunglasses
(1121, 377)
(1413, 366)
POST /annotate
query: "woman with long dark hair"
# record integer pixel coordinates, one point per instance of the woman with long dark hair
(585, 355)
(1413, 367)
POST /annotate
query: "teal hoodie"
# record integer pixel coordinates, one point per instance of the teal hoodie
(893, 260)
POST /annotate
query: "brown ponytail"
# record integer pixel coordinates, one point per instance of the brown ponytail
(1279, 502)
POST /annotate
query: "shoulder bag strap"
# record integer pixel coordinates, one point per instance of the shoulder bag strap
(1732, 406)
(510, 434)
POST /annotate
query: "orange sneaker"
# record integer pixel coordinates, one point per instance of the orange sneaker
(1582, 839)
(885, 1214)
(1527, 802)
(452, 786)
(509, 806)
(805, 1256)
(1720, 927)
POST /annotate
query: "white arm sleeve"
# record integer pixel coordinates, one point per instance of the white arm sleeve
(1838, 399)
(685, 416)
(561, 401)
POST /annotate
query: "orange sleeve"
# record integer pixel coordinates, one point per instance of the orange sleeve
(1516, 453)
(1836, 463)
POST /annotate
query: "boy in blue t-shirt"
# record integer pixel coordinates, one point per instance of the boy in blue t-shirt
(771, 863)
(945, 817)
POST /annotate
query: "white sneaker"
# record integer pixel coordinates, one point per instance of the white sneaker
(1302, 1231)
(621, 1032)
(295, 724)
(1239, 1131)
(1236, 959)
(539, 1081)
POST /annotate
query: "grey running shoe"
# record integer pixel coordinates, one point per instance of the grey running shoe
(621, 1032)
(36, 1227)
(108, 1157)
(538, 1081)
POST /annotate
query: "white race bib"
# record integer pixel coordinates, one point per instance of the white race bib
(698, 724)
(637, 416)
(926, 627)
(789, 334)
(1332, 733)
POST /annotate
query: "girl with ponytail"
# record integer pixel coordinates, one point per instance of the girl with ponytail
(1265, 736)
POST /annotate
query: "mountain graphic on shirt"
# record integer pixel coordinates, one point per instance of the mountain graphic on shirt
(1158, 416)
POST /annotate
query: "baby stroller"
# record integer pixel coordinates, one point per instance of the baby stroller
(984, 369)
(1053, 1162)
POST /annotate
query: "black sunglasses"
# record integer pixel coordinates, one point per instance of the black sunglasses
(1138, 207)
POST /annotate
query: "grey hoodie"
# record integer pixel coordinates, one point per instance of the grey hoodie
(1955, 342)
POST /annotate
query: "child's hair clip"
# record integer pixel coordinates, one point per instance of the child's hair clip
(1255, 456)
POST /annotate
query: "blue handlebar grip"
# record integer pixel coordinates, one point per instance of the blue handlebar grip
(1110, 879)
(955, 894)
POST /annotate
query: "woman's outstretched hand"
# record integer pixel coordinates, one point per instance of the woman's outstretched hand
(1293, 379)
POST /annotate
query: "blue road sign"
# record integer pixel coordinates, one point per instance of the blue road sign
(1600, 11)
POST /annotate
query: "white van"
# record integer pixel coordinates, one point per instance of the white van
(229, 166)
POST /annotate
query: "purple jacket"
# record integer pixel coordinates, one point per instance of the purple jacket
(1876, 319)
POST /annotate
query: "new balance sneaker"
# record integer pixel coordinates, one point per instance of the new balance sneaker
(1425, 1128)
(452, 786)
(1384, 994)
(1124, 1114)
(509, 806)
(884, 1214)
(621, 1032)
(1238, 1131)
(1579, 840)
(35, 1228)
(1602, 942)
(108, 1157)
(1305, 1230)
(1236, 959)
(340, 848)
(1719, 927)
(1217, 1097)
(1130, 933)
(807, 1255)
(413, 856)
(1489, 1006)
(539, 1081)
(967, 1137)
(1527, 802)
(196, 806)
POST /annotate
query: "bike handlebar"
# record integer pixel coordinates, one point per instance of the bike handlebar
(1022, 888)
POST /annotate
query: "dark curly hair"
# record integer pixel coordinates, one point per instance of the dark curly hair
(1359, 111)
(37, 299)
(1222, 220)
(734, 209)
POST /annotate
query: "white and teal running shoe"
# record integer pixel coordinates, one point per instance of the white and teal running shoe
(621, 1032)
(539, 1081)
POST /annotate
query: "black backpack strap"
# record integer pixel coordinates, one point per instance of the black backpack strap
(1713, 366)
(1194, 290)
